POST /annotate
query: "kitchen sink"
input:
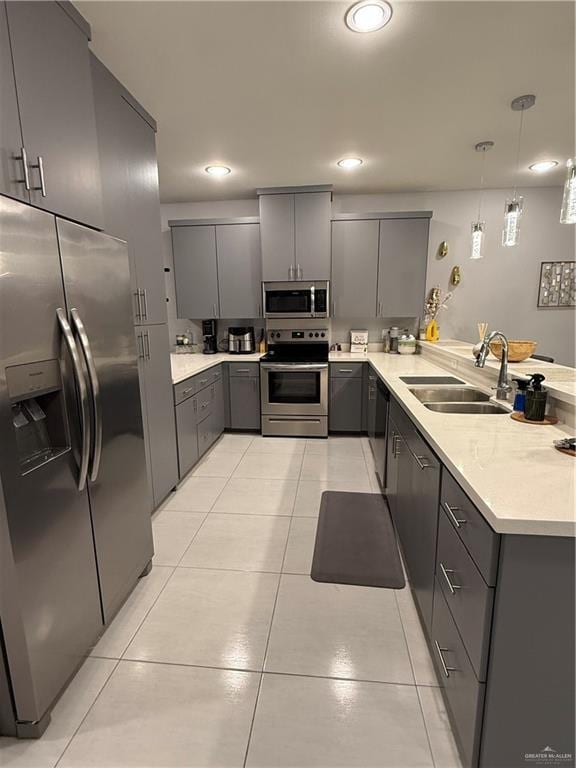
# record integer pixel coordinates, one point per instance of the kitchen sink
(467, 407)
(450, 395)
(431, 380)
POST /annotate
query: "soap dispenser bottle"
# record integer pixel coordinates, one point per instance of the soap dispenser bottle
(536, 396)
(520, 397)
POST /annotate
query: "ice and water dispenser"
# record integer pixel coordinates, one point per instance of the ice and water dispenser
(38, 412)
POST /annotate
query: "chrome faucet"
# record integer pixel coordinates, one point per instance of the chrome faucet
(502, 387)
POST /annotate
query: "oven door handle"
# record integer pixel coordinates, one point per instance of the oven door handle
(295, 367)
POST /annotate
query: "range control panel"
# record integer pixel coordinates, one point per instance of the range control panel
(276, 336)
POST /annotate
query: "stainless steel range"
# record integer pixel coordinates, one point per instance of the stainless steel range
(294, 380)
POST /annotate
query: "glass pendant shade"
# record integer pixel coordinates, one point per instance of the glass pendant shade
(477, 239)
(512, 215)
(568, 210)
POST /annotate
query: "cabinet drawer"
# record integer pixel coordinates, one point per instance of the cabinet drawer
(463, 694)
(184, 389)
(204, 379)
(469, 599)
(478, 538)
(346, 370)
(244, 369)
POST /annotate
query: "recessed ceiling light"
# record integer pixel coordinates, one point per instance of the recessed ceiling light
(350, 162)
(217, 170)
(543, 165)
(368, 15)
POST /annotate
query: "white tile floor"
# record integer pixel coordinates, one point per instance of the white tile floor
(228, 654)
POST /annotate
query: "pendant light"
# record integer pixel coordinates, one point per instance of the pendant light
(478, 226)
(568, 210)
(515, 205)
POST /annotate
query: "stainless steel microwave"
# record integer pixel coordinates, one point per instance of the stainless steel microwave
(298, 298)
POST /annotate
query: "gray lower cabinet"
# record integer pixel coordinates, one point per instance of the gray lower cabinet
(354, 268)
(345, 406)
(498, 611)
(195, 271)
(200, 415)
(402, 260)
(371, 381)
(187, 431)
(415, 509)
(130, 195)
(239, 270)
(244, 388)
(56, 106)
(158, 404)
(11, 168)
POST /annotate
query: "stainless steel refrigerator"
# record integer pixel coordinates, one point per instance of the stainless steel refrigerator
(75, 530)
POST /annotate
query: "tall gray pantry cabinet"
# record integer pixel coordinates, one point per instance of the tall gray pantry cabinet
(126, 135)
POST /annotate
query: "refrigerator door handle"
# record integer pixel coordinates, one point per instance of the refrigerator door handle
(94, 390)
(82, 392)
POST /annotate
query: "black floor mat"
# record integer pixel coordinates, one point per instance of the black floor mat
(355, 542)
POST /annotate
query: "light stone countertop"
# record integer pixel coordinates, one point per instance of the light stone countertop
(511, 471)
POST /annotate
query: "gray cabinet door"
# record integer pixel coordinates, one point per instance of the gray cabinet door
(55, 98)
(244, 402)
(312, 211)
(354, 268)
(345, 406)
(11, 169)
(195, 271)
(277, 237)
(130, 198)
(161, 438)
(144, 214)
(218, 417)
(402, 267)
(187, 431)
(391, 490)
(239, 270)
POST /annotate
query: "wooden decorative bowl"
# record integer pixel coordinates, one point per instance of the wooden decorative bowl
(517, 350)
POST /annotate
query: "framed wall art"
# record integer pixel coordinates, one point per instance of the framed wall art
(557, 284)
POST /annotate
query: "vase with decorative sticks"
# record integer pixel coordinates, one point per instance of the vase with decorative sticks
(436, 301)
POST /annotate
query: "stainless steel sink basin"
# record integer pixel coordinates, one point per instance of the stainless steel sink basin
(450, 395)
(476, 408)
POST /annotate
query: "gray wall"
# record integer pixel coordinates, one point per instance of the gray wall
(500, 289)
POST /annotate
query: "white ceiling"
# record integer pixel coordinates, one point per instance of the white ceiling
(280, 91)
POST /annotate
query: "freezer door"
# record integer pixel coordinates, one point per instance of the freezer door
(49, 600)
(97, 287)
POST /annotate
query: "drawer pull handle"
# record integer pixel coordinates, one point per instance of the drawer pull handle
(242, 370)
(452, 587)
(203, 381)
(186, 391)
(345, 370)
(420, 460)
(446, 669)
(204, 405)
(457, 522)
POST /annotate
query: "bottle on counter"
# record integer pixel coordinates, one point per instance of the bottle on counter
(387, 341)
(536, 396)
(520, 397)
(262, 343)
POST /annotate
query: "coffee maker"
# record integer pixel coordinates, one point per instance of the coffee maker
(210, 337)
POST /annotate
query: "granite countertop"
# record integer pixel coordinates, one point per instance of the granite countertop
(511, 471)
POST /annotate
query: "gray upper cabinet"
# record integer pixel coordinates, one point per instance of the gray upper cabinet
(131, 202)
(295, 234)
(277, 237)
(11, 168)
(239, 270)
(195, 271)
(312, 212)
(402, 267)
(354, 268)
(56, 105)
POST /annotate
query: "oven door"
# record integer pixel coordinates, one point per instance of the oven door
(284, 300)
(294, 389)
